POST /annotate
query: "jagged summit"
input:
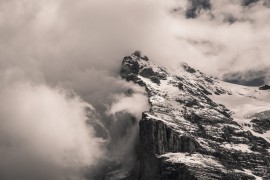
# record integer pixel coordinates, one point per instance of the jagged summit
(199, 127)
(139, 55)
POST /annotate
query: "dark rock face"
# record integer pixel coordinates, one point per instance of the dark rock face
(262, 125)
(147, 72)
(157, 138)
(265, 87)
(260, 122)
(129, 69)
(186, 135)
(188, 68)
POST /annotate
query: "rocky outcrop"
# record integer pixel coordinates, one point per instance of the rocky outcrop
(265, 87)
(186, 135)
(157, 138)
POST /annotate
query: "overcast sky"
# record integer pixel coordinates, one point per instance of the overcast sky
(60, 57)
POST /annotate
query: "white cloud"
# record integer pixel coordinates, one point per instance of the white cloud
(229, 37)
(41, 125)
(134, 104)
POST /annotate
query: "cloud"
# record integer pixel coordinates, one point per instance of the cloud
(44, 129)
(229, 36)
(133, 102)
(51, 38)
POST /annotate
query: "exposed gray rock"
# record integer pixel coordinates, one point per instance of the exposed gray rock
(265, 87)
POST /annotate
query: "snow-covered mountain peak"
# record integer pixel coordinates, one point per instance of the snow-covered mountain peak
(191, 112)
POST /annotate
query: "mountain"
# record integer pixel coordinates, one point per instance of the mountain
(199, 127)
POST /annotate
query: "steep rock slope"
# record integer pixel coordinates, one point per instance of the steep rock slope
(199, 127)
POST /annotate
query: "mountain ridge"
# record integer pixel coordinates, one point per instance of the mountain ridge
(191, 131)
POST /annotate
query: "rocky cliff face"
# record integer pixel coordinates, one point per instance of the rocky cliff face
(199, 127)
